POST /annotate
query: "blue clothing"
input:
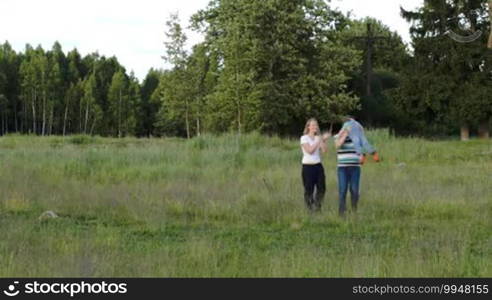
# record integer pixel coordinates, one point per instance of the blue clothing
(358, 137)
(348, 177)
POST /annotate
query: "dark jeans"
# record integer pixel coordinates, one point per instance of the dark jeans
(313, 178)
(348, 177)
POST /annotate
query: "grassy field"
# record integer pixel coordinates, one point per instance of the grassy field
(232, 206)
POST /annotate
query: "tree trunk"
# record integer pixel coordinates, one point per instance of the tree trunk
(15, 117)
(34, 111)
(44, 113)
(197, 103)
(489, 45)
(187, 120)
(44, 103)
(65, 116)
(80, 116)
(368, 66)
(21, 128)
(50, 123)
(483, 130)
(93, 125)
(465, 133)
(86, 117)
(119, 115)
(24, 118)
(198, 126)
(238, 104)
(236, 79)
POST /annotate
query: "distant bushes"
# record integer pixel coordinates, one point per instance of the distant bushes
(82, 139)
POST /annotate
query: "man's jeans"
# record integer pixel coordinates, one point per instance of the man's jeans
(358, 137)
(348, 177)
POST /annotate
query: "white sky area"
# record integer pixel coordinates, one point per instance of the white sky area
(133, 31)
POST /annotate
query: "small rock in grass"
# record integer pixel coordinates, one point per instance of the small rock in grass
(401, 165)
(295, 226)
(48, 215)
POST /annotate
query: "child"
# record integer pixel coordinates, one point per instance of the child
(356, 133)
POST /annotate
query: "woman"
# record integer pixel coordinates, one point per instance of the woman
(313, 174)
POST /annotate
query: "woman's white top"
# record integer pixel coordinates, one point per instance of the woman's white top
(310, 159)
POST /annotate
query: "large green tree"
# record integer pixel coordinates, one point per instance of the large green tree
(490, 31)
(176, 98)
(92, 112)
(73, 92)
(9, 88)
(280, 63)
(147, 109)
(202, 76)
(117, 97)
(448, 82)
(48, 92)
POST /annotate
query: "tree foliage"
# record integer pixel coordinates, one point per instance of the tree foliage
(447, 83)
(267, 66)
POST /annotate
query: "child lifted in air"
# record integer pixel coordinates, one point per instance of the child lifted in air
(356, 133)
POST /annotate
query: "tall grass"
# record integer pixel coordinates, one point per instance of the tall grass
(232, 206)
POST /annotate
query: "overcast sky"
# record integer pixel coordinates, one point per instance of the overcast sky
(133, 31)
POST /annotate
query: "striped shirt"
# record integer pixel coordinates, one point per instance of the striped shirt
(347, 155)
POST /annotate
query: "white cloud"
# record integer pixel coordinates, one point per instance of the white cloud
(133, 31)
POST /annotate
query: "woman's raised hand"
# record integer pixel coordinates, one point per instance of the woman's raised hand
(326, 136)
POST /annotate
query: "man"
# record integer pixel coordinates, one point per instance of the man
(361, 144)
(348, 170)
(351, 143)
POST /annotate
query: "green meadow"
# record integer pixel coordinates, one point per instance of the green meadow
(232, 206)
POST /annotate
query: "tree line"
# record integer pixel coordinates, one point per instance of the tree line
(446, 81)
(264, 65)
(48, 92)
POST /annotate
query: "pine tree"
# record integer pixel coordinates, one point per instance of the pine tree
(146, 108)
(280, 63)
(130, 108)
(91, 110)
(117, 97)
(440, 84)
(176, 101)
